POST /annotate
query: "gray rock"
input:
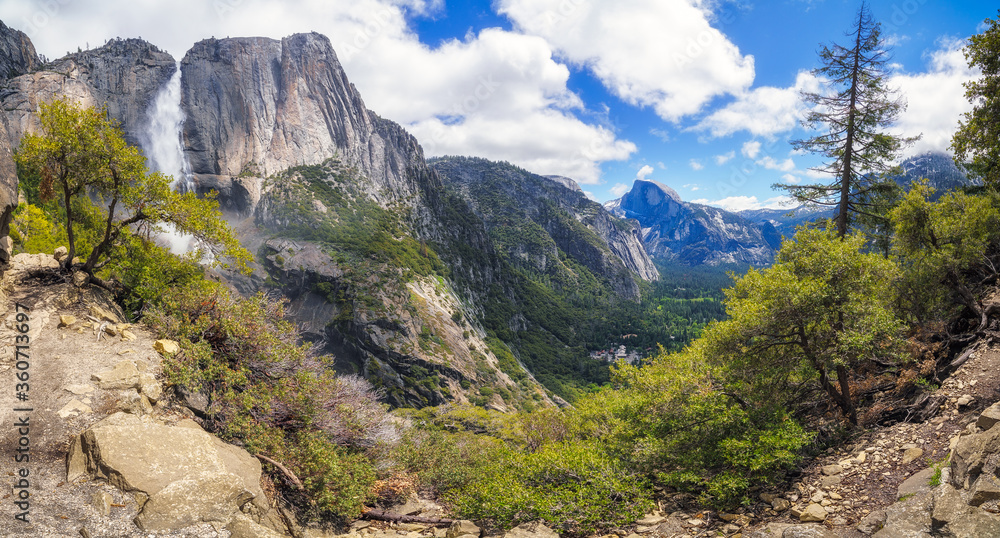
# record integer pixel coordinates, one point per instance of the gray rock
(124, 375)
(278, 104)
(243, 527)
(189, 475)
(463, 528)
(989, 417)
(908, 519)
(101, 501)
(124, 75)
(871, 523)
(780, 505)
(954, 517)
(535, 529)
(975, 455)
(917, 484)
(832, 470)
(808, 531)
(17, 53)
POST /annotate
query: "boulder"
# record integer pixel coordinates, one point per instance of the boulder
(189, 475)
(808, 531)
(989, 417)
(463, 527)
(124, 375)
(166, 347)
(918, 484)
(911, 454)
(813, 513)
(952, 516)
(60, 254)
(832, 470)
(908, 519)
(871, 523)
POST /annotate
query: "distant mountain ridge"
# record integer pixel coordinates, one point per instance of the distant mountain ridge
(693, 234)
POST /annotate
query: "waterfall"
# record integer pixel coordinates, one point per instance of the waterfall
(163, 146)
(165, 152)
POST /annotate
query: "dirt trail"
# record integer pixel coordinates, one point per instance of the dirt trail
(63, 401)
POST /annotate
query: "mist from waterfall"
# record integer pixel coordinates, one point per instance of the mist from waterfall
(165, 151)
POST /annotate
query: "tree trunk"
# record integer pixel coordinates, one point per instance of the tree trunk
(847, 171)
(845, 393)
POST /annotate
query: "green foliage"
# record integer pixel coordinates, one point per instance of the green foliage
(825, 305)
(269, 395)
(31, 230)
(946, 248)
(353, 226)
(976, 143)
(81, 169)
(574, 487)
(673, 419)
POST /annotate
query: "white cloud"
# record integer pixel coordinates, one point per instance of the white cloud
(791, 179)
(769, 163)
(740, 203)
(724, 158)
(619, 189)
(935, 98)
(644, 172)
(695, 164)
(660, 133)
(658, 53)
(692, 187)
(660, 165)
(498, 94)
(764, 111)
(750, 149)
(590, 195)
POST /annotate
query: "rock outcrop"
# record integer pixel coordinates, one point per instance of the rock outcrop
(17, 53)
(256, 106)
(963, 499)
(694, 234)
(187, 475)
(124, 76)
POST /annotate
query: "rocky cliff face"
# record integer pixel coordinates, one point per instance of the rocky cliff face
(509, 199)
(694, 234)
(124, 75)
(256, 106)
(17, 54)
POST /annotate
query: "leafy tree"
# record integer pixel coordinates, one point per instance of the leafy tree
(854, 118)
(81, 163)
(825, 306)
(948, 247)
(977, 142)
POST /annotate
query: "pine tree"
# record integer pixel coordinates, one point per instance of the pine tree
(977, 141)
(854, 116)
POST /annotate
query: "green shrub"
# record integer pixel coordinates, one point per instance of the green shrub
(271, 396)
(574, 487)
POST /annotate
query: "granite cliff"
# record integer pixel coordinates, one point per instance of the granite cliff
(257, 106)
(514, 203)
(694, 234)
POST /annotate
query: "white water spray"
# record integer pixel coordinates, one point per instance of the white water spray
(165, 152)
(163, 135)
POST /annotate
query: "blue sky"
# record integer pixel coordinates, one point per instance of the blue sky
(702, 95)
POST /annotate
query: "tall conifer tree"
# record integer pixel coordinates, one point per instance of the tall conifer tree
(852, 117)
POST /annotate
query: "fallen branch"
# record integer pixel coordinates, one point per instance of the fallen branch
(291, 476)
(382, 515)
